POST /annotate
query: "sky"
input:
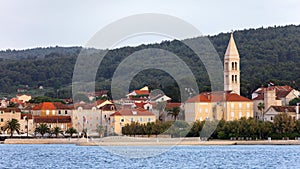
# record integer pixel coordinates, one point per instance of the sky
(44, 23)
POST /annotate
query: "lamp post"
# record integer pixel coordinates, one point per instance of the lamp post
(297, 111)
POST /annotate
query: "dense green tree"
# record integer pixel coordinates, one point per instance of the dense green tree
(11, 126)
(42, 129)
(71, 131)
(174, 112)
(56, 131)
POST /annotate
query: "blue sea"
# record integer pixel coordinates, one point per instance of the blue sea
(72, 156)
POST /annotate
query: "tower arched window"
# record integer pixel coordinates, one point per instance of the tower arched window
(235, 78)
(226, 66)
(232, 66)
(232, 78)
(235, 65)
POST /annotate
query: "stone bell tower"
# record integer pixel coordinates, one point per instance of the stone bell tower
(232, 68)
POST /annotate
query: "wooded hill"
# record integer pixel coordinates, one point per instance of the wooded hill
(267, 54)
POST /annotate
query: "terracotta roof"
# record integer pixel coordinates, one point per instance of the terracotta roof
(50, 106)
(281, 91)
(27, 115)
(9, 109)
(171, 105)
(52, 119)
(140, 105)
(217, 97)
(284, 108)
(142, 92)
(132, 112)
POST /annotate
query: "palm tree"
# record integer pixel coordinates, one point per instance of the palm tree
(174, 112)
(100, 130)
(12, 126)
(261, 107)
(71, 131)
(56, 131)
(43, 129)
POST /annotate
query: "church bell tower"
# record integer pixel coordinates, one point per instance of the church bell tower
(232, 68)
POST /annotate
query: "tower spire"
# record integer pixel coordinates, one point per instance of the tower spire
(231, 50)
(232, 67)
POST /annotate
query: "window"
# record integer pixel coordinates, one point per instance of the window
(53, 112)
(1, 119)
(141, 119)
(132, 119)
(232, 66)
(59, 112)
(235, 65)
(226, 66)
(1, 112)
(271, 118)
(232, 105)
(248, 114)
(200, 110)
(248, 105)
(122, 120)
(232, 78)
(206, 110)
(232, 114)
(47, 112)
(240, 105)
(66, 112)
(149, 120)
(240, 114)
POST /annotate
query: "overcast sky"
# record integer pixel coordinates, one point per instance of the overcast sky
(43, 23)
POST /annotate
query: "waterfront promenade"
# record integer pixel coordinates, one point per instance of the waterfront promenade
(136, 141)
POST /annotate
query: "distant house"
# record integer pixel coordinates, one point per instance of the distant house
(54, 114)
(141, 93)
(217, 105)
(4, 103)
(160, 98)
(23, 97)
(7, 114)
(126, 116)
(272, 111)
(272, 96)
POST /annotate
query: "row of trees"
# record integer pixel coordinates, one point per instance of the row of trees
(13, 126)
(282, 127)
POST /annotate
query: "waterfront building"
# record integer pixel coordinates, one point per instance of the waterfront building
(126, 116)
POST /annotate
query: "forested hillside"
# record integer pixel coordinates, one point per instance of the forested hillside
(267, 54)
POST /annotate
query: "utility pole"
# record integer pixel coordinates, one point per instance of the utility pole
(297, 111)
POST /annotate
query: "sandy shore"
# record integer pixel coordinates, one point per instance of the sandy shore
(130, 141)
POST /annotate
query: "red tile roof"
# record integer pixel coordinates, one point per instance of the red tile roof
(281, 91)
(27, 115)
(141, 92)
(171, 105)
(140, 105)
(284, 108)
(10, 109)
(217, 97)
(51, 106)
(130, 112)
